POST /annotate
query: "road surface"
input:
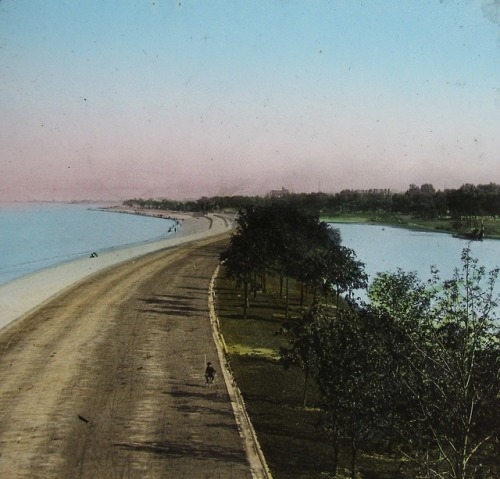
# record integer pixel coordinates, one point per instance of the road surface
(106, 380)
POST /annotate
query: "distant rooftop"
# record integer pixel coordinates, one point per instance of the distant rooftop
(279, 193)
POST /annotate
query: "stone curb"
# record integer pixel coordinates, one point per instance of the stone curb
(258, 464)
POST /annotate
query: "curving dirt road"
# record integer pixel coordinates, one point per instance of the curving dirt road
(106, 380)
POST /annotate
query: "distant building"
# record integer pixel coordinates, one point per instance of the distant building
(371, 191)
(278, 193)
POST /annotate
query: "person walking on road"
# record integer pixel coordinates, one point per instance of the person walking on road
(210, 373)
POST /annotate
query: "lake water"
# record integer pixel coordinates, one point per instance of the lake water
(34, 236)
(383, 249)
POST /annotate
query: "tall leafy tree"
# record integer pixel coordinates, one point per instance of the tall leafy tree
(344, 272)
(241, 263)
(247, 257)
(274, 239)
(450, 369)
(346, 357)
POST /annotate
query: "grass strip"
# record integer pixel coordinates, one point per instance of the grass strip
(290, 435)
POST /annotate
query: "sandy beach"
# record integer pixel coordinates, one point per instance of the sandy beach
(20, 296)
(105, 378)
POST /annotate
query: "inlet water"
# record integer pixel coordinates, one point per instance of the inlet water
(385, 249)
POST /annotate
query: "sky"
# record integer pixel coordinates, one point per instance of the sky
(119, 99)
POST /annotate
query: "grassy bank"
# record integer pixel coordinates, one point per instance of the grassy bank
(290, 434)
(441, 225)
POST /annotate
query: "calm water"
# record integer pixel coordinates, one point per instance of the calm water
(386, 249)
(34, 236)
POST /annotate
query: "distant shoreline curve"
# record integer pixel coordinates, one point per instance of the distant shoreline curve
(22, 295)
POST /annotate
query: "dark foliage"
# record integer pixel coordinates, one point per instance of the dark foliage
(418, 201)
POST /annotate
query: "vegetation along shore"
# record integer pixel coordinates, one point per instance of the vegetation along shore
(407, 386)
(457, 211)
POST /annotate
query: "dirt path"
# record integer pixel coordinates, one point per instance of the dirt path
(107, 379)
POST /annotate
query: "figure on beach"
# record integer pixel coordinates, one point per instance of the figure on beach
(93, 255)
(209, 373)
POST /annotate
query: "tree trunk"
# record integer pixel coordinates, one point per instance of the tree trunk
(287, 301)
(336, 448)
(354, 454)
(306, 387)
(336, 453)
(245, 300)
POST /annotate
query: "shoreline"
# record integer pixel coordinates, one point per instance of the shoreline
(388, 225)
(408, 226)
(23, 295)
(177, 216)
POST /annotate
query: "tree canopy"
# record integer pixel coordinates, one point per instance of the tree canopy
(288, 242)
(422, 201)
(417, 369)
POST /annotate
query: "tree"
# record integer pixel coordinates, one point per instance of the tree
(274, 239)
(301, 350)
(450, 369)
(343, 271)
(315, 264)
(346, 357)
(241, 263)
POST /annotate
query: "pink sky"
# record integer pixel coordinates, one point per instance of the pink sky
(155, 99)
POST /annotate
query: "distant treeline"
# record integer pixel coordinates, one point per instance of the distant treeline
(418, 201)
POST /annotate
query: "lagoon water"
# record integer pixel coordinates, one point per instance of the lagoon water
(34, 236)
(384, 249)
